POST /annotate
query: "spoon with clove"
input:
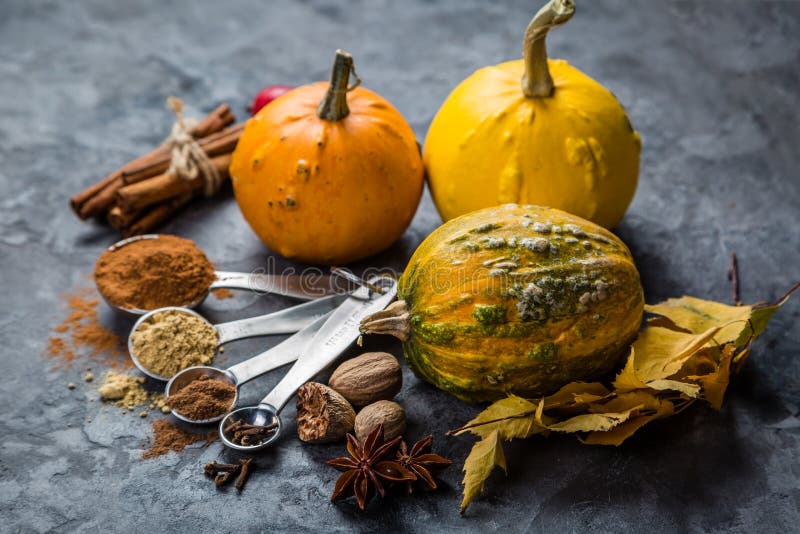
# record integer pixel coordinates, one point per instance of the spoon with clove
(261, 424)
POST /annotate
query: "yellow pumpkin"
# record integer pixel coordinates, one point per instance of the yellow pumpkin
(328, 173)
(560, 139)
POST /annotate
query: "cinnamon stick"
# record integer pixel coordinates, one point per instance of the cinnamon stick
(157, 216)
(222, 142)
(164, 186)
(120, 219)
(98, 198)
(99, 202)
(215, 121)
(78, 201)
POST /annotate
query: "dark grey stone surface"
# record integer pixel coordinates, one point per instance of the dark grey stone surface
(714, 89)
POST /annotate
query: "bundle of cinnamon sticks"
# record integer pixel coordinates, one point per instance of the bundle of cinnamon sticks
(142, 195)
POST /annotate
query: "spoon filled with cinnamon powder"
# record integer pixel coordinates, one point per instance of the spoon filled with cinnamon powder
(154, 271)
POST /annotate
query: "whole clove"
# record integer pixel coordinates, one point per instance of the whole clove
(249, 435)
(244, 473)
(223, 474)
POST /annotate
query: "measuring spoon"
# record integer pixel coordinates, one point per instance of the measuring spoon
(286, 321)
(338, 332)
(304, 287)
(285, 352)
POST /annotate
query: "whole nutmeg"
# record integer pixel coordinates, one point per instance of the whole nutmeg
(322, 414)
(371, 377)
(390, 414)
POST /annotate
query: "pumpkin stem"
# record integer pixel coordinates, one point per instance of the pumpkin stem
(395, 320)
(536, 82)
(334, 106)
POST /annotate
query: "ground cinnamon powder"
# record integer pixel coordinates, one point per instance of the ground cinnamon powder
(81, 329)
(203, 398)
(153, 273)
(167, 437)
(222, 293)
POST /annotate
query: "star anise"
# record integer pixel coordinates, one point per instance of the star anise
(422, 463)
(363, 471)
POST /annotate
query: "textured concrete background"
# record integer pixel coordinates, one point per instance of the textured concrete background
(714, 89)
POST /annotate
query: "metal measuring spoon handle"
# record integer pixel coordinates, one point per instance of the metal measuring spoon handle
(335, 336)
(281, 322)
(281, 354)
(300, 286)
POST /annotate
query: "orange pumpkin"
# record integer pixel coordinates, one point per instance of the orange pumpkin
(328, 173)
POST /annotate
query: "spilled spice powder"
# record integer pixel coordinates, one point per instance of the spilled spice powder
(203, 398)
(81, 329)
(154, 273)
(222, 293)
(167, 437)
(123, 390)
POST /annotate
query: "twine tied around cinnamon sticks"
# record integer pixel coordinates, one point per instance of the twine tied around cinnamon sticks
(146, 192)
(189, 160)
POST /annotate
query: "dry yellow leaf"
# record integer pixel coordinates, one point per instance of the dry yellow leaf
(715, 383)
(696, 316)
(482, 459)
(511, 417)
(662, 352)
(658, 409)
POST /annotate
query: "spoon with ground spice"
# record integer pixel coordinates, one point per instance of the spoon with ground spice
(154, 271)
(203, 394)
(334, 336)
(167, 340)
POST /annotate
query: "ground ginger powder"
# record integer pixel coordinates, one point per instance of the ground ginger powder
(173, 340)
(123, 390)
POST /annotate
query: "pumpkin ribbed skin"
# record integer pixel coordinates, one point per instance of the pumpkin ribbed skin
(518, 299)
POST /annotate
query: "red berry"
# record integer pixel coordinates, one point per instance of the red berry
(267, 95)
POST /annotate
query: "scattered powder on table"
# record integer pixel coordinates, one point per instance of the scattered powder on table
(173, 340)
(222, 293)
(81, 334)
(123, 390)
(154, 273)
(203, 398)
(167, 437)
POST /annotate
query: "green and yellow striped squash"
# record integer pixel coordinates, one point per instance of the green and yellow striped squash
(514, 299)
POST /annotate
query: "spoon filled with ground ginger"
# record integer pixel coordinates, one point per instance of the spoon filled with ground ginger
(152, 271)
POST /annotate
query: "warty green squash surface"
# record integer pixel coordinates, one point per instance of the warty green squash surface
(514, 299)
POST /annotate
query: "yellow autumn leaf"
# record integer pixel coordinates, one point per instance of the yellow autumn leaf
(585, 422)
(482, 459)
(652, 408)
(697, 316)
(687, 388)
(575, 396)
(661, 352)
(714, 384)
(511, 417)
(627, 380)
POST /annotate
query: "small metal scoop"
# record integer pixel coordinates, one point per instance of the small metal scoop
(304, 287)
(338, 332)
(279, 355)
(287, 321)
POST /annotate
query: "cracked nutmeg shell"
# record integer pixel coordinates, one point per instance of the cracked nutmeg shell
(371, 377)
(388, 413)
(323, 415)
